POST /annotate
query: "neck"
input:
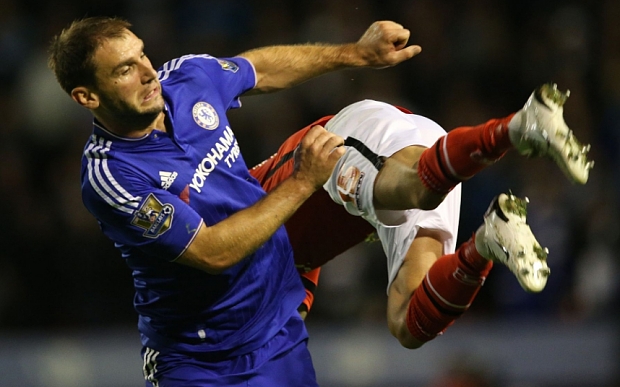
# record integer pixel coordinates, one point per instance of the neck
(130, 128)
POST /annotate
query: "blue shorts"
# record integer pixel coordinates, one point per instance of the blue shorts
(278, 363)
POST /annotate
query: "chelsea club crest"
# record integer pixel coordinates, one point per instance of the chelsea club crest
(205, 115)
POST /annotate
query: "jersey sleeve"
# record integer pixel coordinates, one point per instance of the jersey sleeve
(137, 216)
(227, 77)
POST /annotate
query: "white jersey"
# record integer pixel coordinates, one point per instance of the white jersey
(374, 130)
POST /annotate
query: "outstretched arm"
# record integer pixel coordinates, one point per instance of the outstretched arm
(384, 44)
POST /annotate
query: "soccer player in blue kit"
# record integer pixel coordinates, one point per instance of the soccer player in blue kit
(216, 287)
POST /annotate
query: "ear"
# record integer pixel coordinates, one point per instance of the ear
(85, 97)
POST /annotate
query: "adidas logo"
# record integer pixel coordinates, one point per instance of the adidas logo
(167, 178)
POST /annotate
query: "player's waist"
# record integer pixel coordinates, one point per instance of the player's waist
(290, 334)
(227, 333)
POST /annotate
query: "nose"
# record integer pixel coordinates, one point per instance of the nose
(148, 72)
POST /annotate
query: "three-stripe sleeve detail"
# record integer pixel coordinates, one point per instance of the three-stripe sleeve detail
(102, 180)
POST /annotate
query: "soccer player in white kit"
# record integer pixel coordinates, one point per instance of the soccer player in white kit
(401, 173)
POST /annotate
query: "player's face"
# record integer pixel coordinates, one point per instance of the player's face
(127, 83)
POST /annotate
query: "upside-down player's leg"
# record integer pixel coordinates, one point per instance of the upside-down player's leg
(463, 152)
(538, 129)
(377, 176)
(432, 290)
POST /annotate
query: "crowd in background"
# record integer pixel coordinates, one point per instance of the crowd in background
(481, 59)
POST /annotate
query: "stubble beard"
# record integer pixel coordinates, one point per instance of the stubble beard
(131, 117)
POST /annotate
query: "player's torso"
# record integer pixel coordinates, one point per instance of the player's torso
(197, 160)
(210, 171)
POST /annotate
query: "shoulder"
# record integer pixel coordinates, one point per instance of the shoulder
(108, 180)
(210, 64)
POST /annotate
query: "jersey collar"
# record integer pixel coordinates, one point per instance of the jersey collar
(101, 130)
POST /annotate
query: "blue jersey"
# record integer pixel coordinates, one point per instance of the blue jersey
(150, 196)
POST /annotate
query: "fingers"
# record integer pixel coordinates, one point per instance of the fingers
(319, 152)
(406, 53)
(414, 50)
(335, 154)
(385, 44)
(312, 134)
(393, 32)
(399, 37)
(322, 140)
(333, 141)
(387, 24)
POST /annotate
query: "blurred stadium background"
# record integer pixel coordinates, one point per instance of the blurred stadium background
(66, 315)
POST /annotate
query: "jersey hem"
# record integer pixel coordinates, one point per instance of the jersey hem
(190, 241)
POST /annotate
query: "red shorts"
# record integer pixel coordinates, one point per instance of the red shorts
(320, 229)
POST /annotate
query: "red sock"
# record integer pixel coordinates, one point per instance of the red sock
(310, 280)
(462, 153)
(447, 291)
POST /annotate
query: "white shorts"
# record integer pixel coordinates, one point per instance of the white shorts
(378, 130)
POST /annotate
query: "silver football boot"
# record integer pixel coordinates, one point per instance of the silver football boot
(506, 237)
(539, 130)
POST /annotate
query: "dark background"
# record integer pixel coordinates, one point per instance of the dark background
(480, 59)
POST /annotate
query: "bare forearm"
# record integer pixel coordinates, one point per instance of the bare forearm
(280, 67)
(226, 243)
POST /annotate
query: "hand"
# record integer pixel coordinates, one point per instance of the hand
(317, 155)
(383, 45)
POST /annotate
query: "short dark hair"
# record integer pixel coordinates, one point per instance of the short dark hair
(71, 51)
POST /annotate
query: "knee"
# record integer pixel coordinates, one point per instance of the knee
(404, 337)
(429, 200)
(409, 342)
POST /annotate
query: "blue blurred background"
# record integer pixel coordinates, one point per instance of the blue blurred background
(66, 316)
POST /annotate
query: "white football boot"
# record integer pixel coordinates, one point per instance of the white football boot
(506, 237)
(539, 130)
